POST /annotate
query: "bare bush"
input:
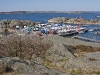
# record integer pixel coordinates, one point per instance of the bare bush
(24, 47)
(3, 69)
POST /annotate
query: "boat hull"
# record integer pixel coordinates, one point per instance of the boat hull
(67, 33)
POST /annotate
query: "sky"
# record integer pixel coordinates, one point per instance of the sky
(49, 5)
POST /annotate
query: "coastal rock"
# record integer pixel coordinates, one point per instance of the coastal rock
(57, 60)
(61, 57)
(56, 39)
(60, 51)
(57, 20)
(23, 67)
(11, 23)
(73, 20)
(36, 59)
(15, 23)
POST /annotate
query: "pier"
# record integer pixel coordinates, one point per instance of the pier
(86, 39)
(96, 28)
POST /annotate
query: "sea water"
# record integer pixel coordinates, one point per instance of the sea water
(44, 17)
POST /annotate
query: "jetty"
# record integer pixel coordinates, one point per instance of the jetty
(86, 39)
(96, 28)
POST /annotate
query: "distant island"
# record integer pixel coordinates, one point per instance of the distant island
(68, 12)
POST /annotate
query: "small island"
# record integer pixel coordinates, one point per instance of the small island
(74, 21)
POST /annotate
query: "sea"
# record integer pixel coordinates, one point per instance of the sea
(44, 17)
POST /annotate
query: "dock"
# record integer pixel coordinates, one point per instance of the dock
(96, 28)
(86, 39)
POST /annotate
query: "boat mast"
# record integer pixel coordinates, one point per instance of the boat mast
(79, 23)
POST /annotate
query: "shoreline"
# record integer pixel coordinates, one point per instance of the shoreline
(80, 20)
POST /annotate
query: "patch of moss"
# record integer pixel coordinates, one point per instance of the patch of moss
(77, 72)
(47, 61)
(62, 60)
(82, 72)
(95, 72)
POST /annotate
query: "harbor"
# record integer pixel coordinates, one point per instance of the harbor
(49, 37)
(38, 25)
(82, 32)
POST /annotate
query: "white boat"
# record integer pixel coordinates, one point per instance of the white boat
(98, 16)
(91, 30)
(85, 25)
(82, 30)
(67, 32)
(97, 33)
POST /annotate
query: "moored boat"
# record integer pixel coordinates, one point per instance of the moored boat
(91, 30)
(97, 33)
(67, 32)
(82, 30)
(98, 16)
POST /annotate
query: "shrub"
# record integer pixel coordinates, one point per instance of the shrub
(2, 69)
(24, 47)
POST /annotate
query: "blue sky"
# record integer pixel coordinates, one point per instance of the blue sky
(49, 5)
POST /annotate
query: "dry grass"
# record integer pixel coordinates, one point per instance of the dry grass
(23, 47)
(81, 49)
(3, 69)
(12, 73)
(83, 72)
(92, 59)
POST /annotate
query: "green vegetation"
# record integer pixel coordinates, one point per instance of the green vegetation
(82, 72)
(63, 60)
(77, 72)
(95, 72)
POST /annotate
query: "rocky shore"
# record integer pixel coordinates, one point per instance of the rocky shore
(11, 23)
(74, 21)
(59, 59)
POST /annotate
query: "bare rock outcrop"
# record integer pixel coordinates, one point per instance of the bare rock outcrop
(57, 60)
(73, 20)
(10, 23)
(28, 68)
(62, 57)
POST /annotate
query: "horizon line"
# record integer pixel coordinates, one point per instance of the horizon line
(51, 11)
